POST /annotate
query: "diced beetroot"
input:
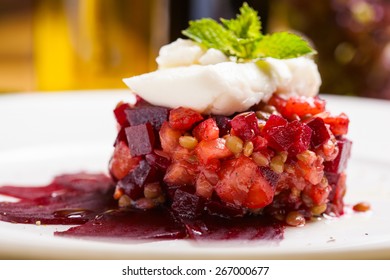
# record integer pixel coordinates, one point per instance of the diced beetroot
(158, 160)
(223, 124)
(301, 137)
(259, 143)
(293, 137)
(154, 115)
(245, 125)
(241, 183)
(169, 138)
(339, 164)
(206, 130)
(273, 121)
(184, 118)
(120, 114)
(213, 149)
(338, 124)
(141, 139)
(187, 205)
(132, 184)
(279, 138)
(122, 162)
(320, 133)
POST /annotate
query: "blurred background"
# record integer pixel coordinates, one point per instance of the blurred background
(48, 45)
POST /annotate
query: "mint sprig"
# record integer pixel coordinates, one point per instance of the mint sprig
(242, 37)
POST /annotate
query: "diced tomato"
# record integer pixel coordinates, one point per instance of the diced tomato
(180, 173)
(241, 183)
(203, 186)
(317, 195)
(184, 118)
(169, 138)
(302, 106)
(122, 162)
(298, 105)
(338, 124)
(206, 130)
(213, 149)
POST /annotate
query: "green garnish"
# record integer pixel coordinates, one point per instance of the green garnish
(242, 37)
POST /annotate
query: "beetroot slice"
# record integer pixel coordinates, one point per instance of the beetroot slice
(69, 199)
(130, 224)
(242, 228)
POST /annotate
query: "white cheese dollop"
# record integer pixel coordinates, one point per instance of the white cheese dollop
(208, 82)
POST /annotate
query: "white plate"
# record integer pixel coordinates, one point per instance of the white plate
(42, 135)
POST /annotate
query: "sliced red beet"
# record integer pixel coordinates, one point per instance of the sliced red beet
(242, 228)
(141, 139)
(154, 115)
(320, 133)
(339, 164)
(131, 224)
(132, 184)
(245, 125)
(68, 199)
(183, 118)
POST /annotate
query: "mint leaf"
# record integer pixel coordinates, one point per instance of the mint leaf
(210, 34)
(282, 45)
(246, 25)
(242, 38)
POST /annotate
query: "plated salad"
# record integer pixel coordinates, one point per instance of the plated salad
(228, 139)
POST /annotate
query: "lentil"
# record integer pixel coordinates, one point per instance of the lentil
(260, 159)
(124, 201)
(318, 209)
(248, 148)
(277, 164)
(295, 219)
(361, 207)
(152, 190)
(234, 144)
(188, 142)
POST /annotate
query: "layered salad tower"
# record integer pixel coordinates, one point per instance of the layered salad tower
(230, 125)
